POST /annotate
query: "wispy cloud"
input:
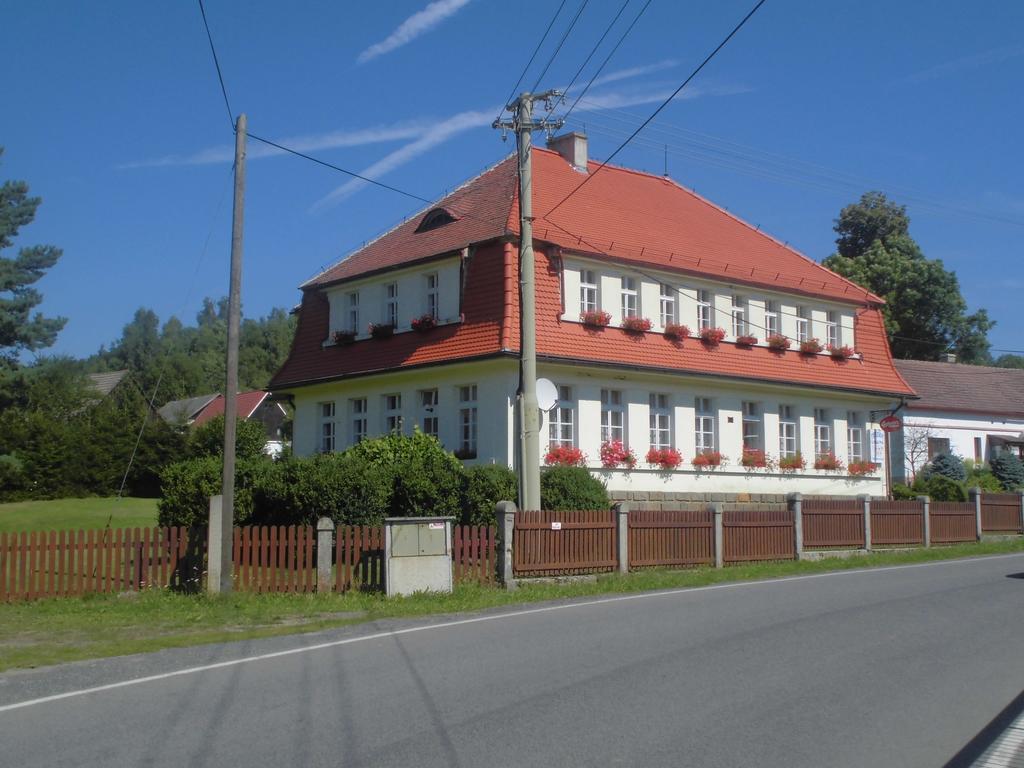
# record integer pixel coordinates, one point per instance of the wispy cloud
(963, 64)
(414, 26)
(307, 143)
(437, 134)
(621, 99)
(624, 74)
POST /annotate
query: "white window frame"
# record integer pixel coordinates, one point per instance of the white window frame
(432, 294)
(668, 305)
(630, 297)
(832, 329)
(613, 416)
(357, 408)
(428, 400)
(704, 310)
(854, 436)
(391, 304)
(328, 426)
(660, 408)
(739, 316)
(393, 413)
(803, 324)
(703, 425)
(752, 426)
(771, 318)
(822, 432)
(590, 296)
(467, 420)
(353, 311)
(562, 422)
(789, 435)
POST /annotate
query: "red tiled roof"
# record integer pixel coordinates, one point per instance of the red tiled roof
(246, 403)
(623, 214)
(965, 388)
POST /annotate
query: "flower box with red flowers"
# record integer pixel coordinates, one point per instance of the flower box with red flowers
(841, 353)
(754, 458)
(595, 318)
(344, 337)
(708, 460)
(424, 323)
(829, 462)
(666, 458)
(861, 468)
(677, 332)
(615, 454)
(712, 336)
(746, 340)
(382, 330)
(778, 343)
(565, 456)
(811, 347)
(636, 324)
(791, 463)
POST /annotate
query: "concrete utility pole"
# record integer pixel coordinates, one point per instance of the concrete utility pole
(527, 409)
(231, 385)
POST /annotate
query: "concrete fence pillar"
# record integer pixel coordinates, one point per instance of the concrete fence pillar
(865, 501)
(218, 558)
(621, 511)
(1022, 511)
(505, 515)
(324, 552)
(925, 513)
(795, 502)
(716, 513)
(974, 494)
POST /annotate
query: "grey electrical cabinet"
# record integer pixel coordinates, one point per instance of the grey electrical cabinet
(418, 554)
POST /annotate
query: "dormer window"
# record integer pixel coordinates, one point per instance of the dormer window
(434, 219)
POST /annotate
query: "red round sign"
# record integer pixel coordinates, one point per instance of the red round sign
(890, 423)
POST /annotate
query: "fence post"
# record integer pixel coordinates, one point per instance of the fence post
(1022, 511)
(218, 550)
(865, 500)
(925, 504)
(621, 511)
(505, 514)
(796, 504)
(716, 511)
(974, 494)
(324, 551)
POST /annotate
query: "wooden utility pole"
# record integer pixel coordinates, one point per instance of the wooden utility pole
(220, 576)
(528, 411)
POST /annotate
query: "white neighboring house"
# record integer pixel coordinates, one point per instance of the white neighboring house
(420, 328)
(972, 411)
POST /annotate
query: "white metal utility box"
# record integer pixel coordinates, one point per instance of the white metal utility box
(418, 554)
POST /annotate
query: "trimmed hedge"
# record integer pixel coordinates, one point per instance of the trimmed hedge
(571, 488)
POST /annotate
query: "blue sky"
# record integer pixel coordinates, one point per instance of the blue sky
(112, 113)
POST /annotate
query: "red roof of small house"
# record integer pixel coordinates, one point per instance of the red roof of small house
(246, 404)
(620, 215)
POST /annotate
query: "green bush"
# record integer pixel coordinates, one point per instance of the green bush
(485, 486)
(208, 439)
(946, 465)
(980, 476)
(1009, 470)
(187, 486)
(571, 488)
(902, 492)
(940, 488)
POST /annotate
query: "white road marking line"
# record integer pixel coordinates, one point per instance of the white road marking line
(480, 620)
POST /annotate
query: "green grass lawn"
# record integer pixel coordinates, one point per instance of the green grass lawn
(54, 631)
(72, 514)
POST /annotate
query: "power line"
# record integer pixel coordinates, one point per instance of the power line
(530, 62)
(661, 107)
(560, 44)
(593, 51)
(608, 57)
(216, 63)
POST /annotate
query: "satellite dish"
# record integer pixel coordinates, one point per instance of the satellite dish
(547, 394)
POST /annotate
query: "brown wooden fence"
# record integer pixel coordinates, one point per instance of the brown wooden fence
(275, 558)
(1000, 513)
(41, 564)
(359, 557)
(833, 523)
(897, 522)
(670, 538)
(952, 521)
(758, 535)
(474, 552)
(561, 543)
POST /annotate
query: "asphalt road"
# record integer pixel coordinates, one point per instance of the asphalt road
(893, 667)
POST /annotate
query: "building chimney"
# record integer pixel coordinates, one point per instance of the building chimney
(950, 357)
(573, 147)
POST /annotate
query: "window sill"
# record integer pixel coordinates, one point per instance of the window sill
(397, 332)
